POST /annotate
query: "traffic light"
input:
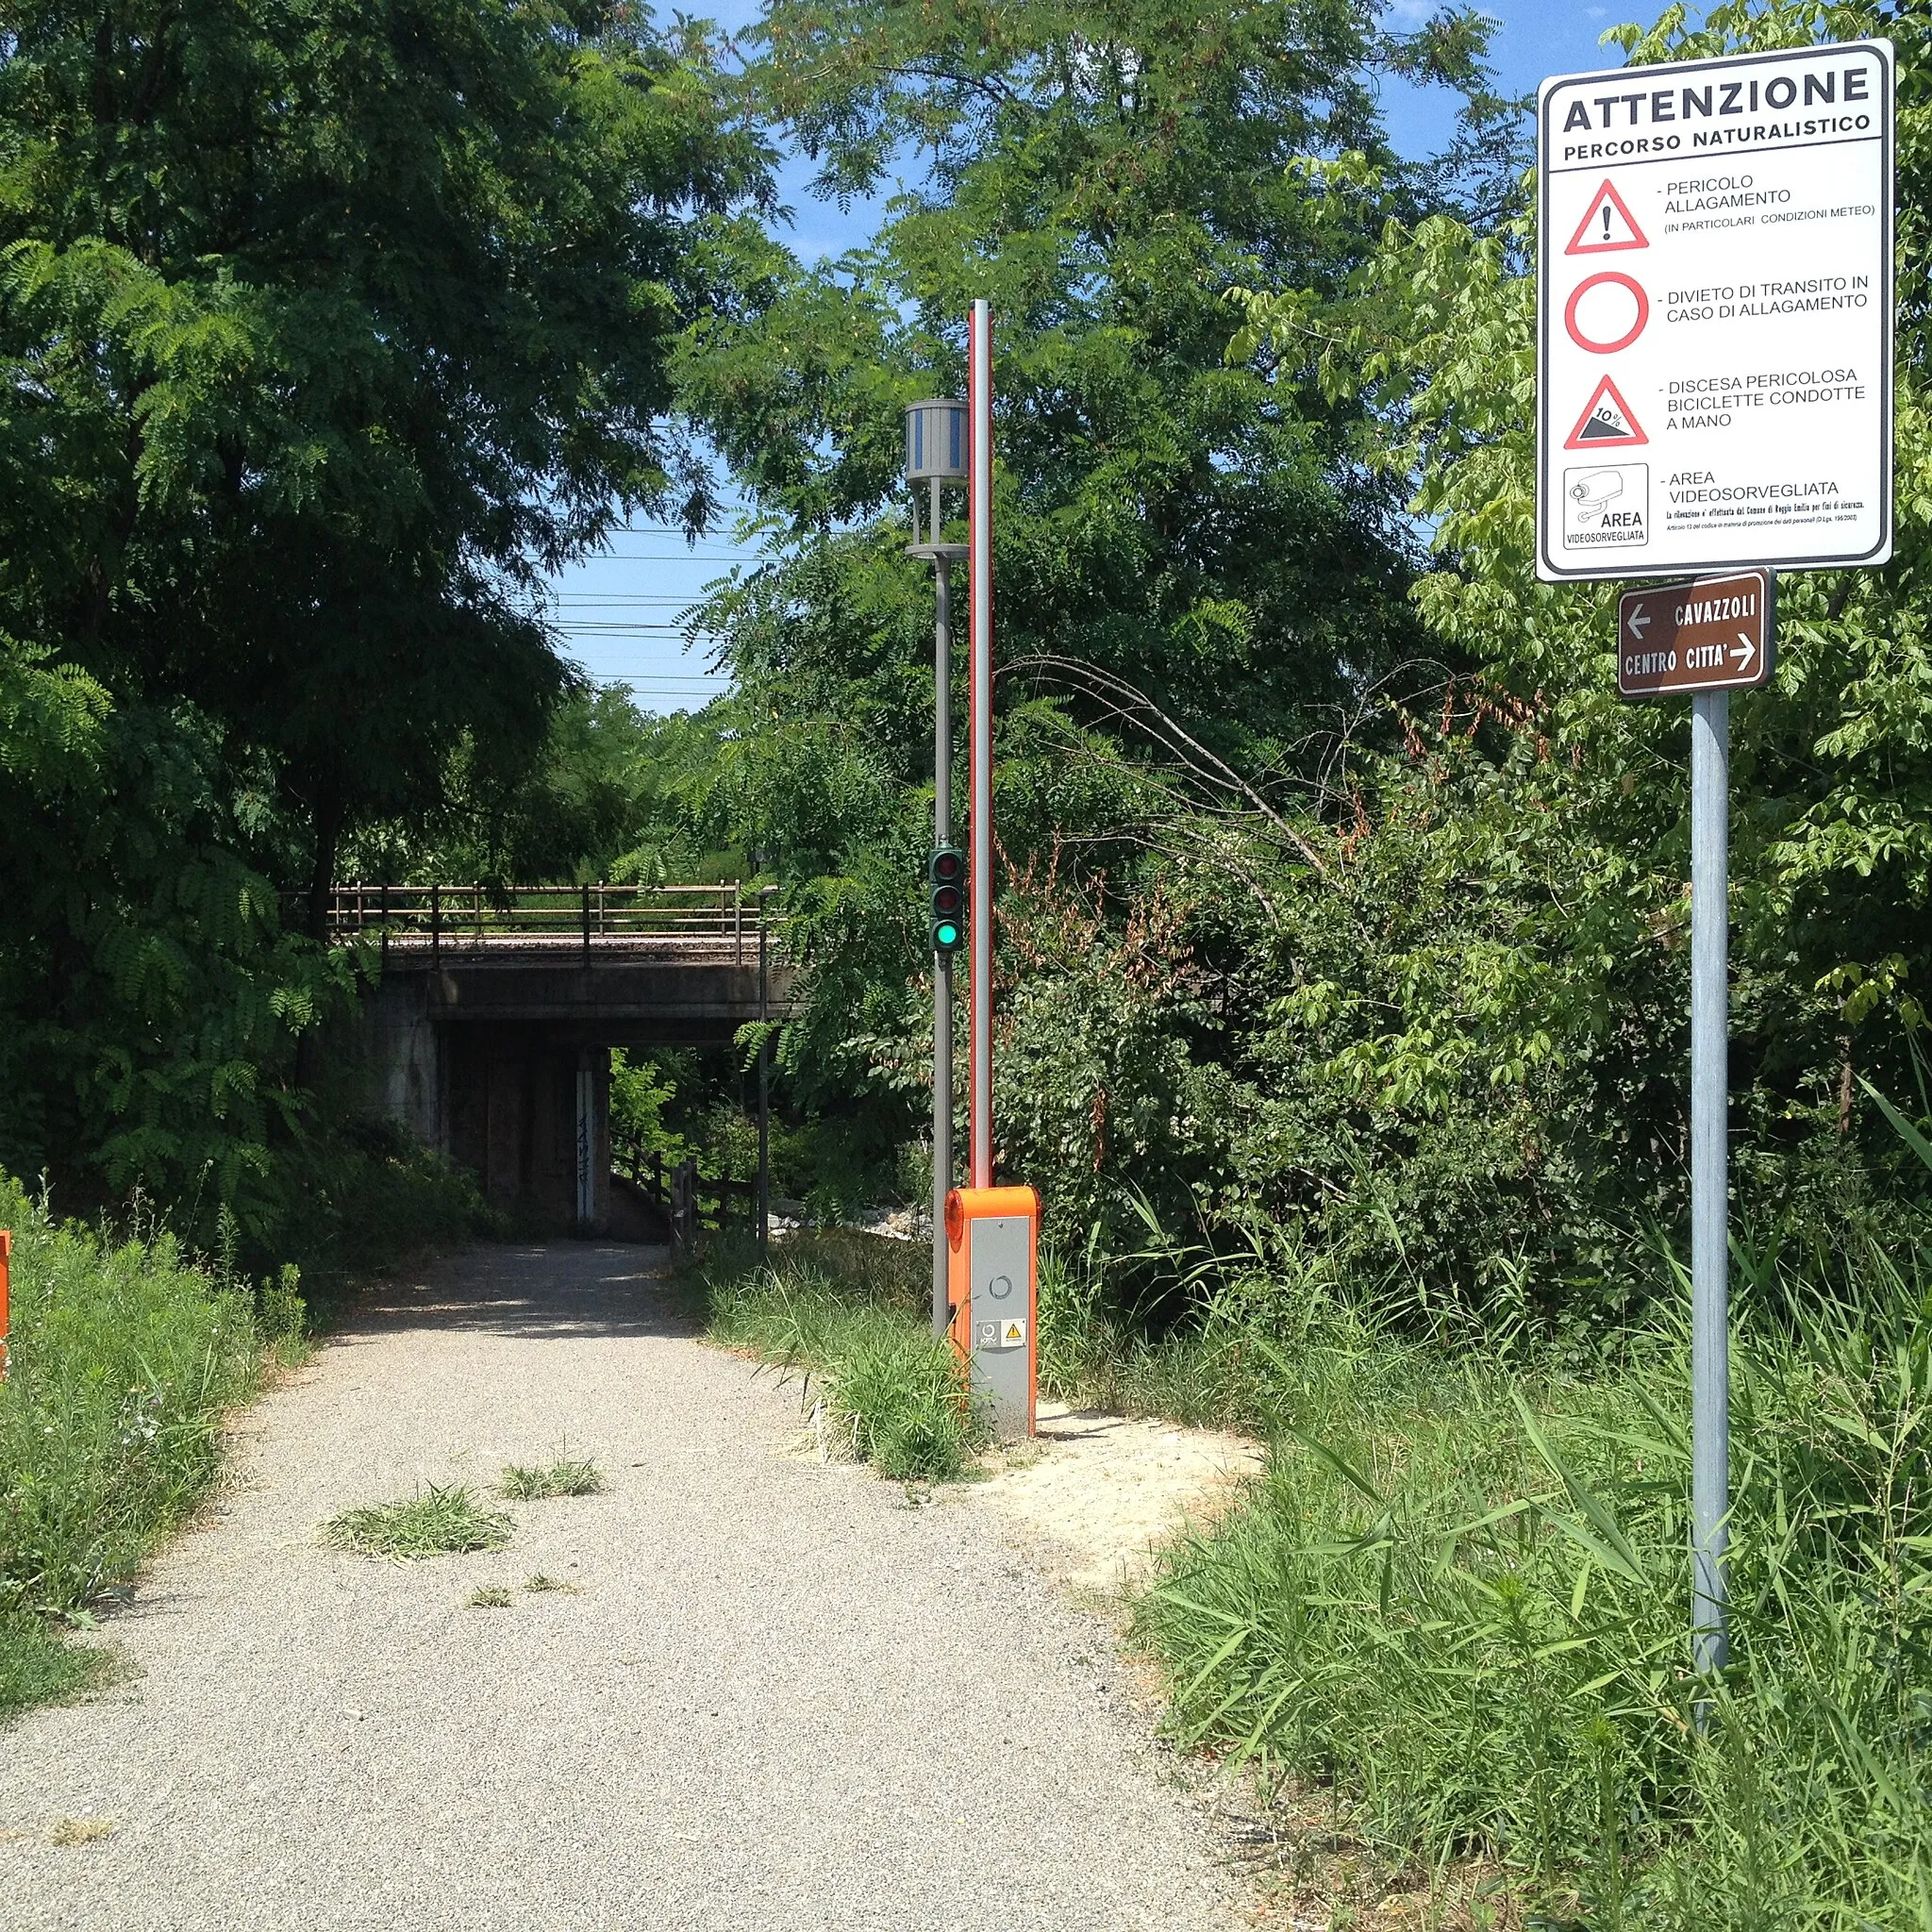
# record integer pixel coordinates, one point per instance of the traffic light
(947, 872)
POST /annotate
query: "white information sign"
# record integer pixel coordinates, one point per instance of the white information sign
(1714, 324)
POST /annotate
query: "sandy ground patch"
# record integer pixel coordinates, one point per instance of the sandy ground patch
(1097, 1496)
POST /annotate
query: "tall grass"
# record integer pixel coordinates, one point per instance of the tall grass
(124, 1355)
(1460, 1598)
(1221, 1366)
(846, 1311)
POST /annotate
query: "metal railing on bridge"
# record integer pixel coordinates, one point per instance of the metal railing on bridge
(726, 914)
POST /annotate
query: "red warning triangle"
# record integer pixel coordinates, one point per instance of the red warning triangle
(1606, 225)
(1606, 422)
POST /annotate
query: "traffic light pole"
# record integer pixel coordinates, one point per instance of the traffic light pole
(936, 456)
(941, 960)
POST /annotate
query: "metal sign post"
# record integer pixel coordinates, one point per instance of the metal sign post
(1714, 394)
(1710, 1334)
(1706, 638)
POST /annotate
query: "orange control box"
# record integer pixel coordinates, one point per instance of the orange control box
(993, 1284)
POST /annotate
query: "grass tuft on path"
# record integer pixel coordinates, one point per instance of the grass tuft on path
(846, 1311)
(438, 1520)
(36, 1667)
(567, 1476)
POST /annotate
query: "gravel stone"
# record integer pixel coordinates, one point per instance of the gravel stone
(773, 1697)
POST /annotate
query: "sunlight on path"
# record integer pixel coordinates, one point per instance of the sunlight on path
(769, 1694)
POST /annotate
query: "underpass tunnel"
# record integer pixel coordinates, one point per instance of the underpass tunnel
(495, 1049)
(529, 1113)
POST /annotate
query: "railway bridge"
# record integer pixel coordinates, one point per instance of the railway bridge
(492, 1014)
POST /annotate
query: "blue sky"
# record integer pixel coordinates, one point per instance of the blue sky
(622, 613)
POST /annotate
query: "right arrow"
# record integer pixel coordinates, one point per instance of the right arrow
(1746, 652)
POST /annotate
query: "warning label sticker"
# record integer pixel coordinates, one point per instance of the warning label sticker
(1715, 312)
(1606, 422)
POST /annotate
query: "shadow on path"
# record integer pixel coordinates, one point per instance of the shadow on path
(534, 1289)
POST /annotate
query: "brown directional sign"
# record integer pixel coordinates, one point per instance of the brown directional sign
(1713, 634)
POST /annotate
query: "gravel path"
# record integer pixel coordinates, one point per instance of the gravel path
(776, 1697)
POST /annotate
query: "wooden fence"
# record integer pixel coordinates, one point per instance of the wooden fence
(689, 1200)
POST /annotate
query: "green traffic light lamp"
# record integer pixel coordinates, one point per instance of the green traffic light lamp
(947, 874)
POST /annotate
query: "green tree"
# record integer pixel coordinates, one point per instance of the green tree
(1498, 994)
(327, 329)
(1394, 958)
(612, 793)
(1186, 538)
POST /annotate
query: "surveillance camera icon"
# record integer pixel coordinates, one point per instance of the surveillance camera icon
(1594, 493)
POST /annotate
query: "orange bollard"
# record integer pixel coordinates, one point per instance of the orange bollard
(992, 1236)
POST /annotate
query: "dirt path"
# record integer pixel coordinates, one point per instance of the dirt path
(775, 1697)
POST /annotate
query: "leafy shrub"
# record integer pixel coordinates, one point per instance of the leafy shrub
(280, 1313)
(365, 1190)
(124, 1355)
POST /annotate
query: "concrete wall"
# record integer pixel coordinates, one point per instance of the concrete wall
(400, 1053)
(500, 1098)
(512, 1111)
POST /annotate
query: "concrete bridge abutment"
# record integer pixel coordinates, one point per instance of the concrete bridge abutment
(496, 1054)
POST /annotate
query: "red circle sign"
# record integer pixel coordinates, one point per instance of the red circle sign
(1623, 342)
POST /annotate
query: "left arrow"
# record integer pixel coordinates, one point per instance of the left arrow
(1637, 621)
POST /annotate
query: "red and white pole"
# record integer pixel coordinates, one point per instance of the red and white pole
(992, 1233)
(979, 739)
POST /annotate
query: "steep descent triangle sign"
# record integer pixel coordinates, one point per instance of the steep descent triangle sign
(1606, 422)
(1606, 225)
